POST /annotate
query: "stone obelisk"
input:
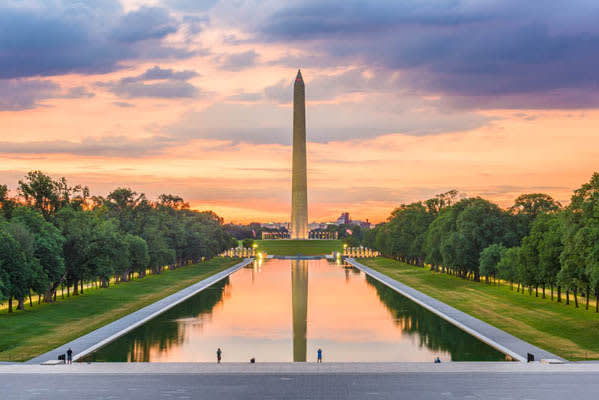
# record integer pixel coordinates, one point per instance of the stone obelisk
(299, 185)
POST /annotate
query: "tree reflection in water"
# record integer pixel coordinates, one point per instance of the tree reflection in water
(433, 332)
(164, 331)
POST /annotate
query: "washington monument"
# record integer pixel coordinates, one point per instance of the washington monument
(299, 185)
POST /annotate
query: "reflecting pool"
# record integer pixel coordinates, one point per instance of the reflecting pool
(285, 310)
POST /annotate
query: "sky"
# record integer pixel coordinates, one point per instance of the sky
(405, 99)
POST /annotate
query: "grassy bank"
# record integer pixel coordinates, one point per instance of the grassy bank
(563, 330)
(26, 334)
(303, 247)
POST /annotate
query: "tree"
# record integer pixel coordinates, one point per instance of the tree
(59, 236)
(105, 251)
(489, 258)
(47, 195)
(160, 253)
(7, 204)
(76, 227)
(10, 264)
(47, 249)
(173, 202)
(17, 264)
(408, 225)
(550, 249)
(436, 235)
(508, 265)
(592, 264)
(247, 243)
(138, 254)
(125, 206)
(29, 276)
(530, 272)
(39, 190)
(534, 204)
(527, 207)
(459, 234)
(572, 273)
(382, 239)
(581, 224)
(441, 201)
(541, 250)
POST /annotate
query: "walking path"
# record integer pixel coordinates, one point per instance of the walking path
(245, 381)
(502, 341)
(101, 336)
(267, 368)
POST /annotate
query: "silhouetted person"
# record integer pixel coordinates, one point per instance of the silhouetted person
(69, 356)
(252, 360)
(219, 355)
(319, 356)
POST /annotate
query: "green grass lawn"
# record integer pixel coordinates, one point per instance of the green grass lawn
(26, 334)
(563, 330)
(303, 247)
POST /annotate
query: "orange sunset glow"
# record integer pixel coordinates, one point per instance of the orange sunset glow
(195, 100)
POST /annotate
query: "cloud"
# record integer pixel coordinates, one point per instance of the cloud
(382, 114)
(238, 61)
(246, 97)
(163, 83)
(331, 86)
(144, 23)
(253, 123)
(156, 73)
(24, 94)
(195, 24)
(123, 104)
(499, 54)
(165, 90)
(191, 5)
(17, 94)
(78, 92)
(110, 146)
(64, 36)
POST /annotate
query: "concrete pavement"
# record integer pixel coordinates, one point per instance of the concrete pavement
(268, 368)
(300, 381)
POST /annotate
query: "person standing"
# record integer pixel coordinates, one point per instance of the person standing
(219, 355)
(319, 356)
(69, 356)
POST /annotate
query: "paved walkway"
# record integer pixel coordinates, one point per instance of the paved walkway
(101, 336)
(268, 368)
(412, 385)
(497, 338)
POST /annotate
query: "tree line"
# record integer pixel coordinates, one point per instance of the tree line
(53, 236)
(536, 244)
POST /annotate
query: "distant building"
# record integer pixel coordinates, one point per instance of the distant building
(275, 225)
(316, 225)
(343, 219)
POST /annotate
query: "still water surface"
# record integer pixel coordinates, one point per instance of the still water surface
(284, 310)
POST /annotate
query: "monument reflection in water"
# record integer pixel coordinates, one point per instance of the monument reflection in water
(284, 310)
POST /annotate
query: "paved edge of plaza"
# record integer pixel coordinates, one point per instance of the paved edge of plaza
(94, 340)
(277, 368)
(500, 340)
